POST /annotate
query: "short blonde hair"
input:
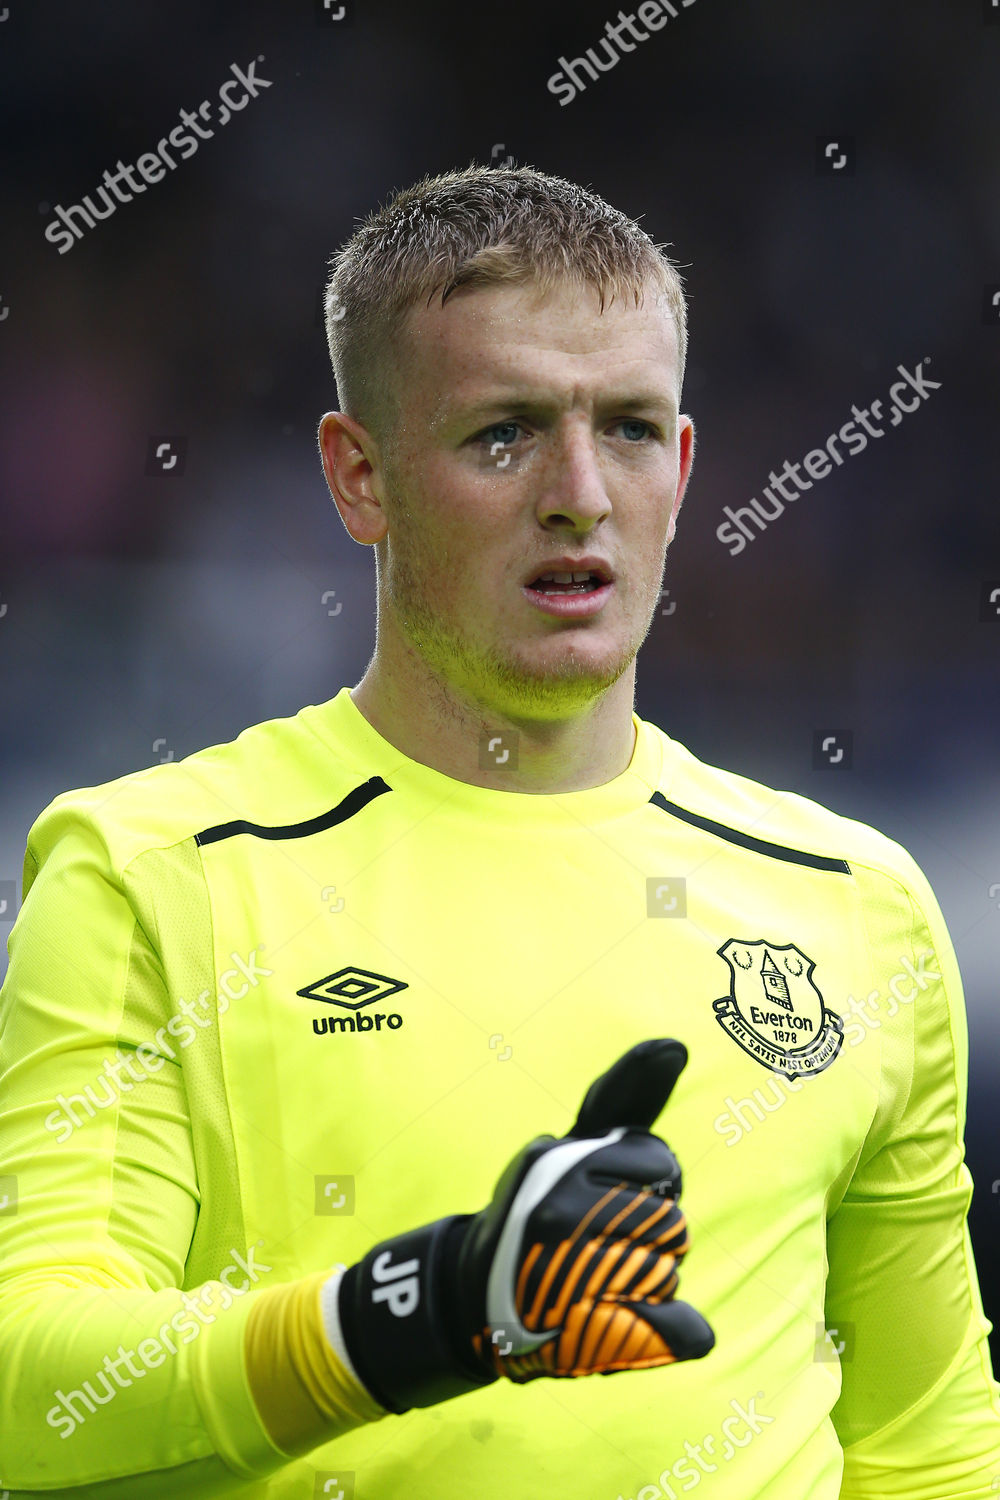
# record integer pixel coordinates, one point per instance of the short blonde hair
(482, 226)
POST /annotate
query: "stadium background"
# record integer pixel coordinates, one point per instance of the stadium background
(144, 615)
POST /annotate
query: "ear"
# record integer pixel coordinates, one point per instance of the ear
(685, 438)
(351, 464)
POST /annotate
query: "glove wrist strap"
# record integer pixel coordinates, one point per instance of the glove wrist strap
(396, 1316)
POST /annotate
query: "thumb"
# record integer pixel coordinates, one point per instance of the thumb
(634, 1089)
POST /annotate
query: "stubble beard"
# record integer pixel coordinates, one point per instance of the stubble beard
(495, 676)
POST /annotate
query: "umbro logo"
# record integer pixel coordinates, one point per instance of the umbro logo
(353, 988)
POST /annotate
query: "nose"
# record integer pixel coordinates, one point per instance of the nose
(573, 491)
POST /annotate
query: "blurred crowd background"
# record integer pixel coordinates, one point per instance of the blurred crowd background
(144, 615)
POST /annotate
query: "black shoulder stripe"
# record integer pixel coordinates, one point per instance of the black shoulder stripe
(759, 846)
(346, 808)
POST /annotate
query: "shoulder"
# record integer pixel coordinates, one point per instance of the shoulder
(272, 773)
(749, 813)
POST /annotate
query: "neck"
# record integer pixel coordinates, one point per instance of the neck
(441, 726)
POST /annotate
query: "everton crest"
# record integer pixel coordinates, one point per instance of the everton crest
(774, 1009)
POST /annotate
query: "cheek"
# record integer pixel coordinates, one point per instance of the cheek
(434, 569)
(449, 549)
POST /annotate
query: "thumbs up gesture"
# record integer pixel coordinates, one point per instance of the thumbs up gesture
(579, 1250)
(570, 1270)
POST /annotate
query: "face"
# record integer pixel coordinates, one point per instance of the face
(531, 430)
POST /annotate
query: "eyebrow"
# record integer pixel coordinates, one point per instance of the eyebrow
(533, 402)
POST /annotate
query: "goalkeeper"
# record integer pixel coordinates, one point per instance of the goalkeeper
(279, 1012)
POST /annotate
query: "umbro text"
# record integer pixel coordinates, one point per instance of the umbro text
(363, 1021)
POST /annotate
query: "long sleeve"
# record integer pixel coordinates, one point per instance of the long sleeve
(918, 1414)
(111, 1363)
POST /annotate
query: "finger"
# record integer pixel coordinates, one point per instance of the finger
(602, 1338)
(634, 1090)
(679, 1325)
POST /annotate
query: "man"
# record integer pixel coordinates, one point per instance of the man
(279, 1015)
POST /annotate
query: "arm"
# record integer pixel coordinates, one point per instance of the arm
(117, 1376)
(919, 1414)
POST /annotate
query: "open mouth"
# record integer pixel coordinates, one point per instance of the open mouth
(567, 583)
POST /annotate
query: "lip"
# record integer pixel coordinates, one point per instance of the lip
(590, 564)
(570, 606)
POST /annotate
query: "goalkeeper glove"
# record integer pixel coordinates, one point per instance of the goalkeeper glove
(570, 1270)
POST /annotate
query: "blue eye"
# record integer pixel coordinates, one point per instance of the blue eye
(499, 427)
(636, 422)
(491, 434)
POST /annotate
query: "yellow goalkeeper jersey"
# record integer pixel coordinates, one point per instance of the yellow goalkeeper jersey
(297, 993)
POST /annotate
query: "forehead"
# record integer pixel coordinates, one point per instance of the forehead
(561, 339)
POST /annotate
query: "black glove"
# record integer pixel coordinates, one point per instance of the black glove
(571, 1270)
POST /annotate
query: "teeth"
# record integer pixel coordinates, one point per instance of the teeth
(565, 578)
